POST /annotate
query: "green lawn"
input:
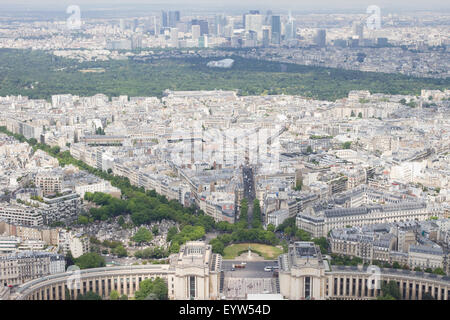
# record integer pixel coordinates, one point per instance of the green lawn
(268, 252)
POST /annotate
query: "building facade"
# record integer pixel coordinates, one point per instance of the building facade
(194, 273)
(18, 268)
(304, 275)
(320, 222)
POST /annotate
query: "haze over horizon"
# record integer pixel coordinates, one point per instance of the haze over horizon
(299, 5)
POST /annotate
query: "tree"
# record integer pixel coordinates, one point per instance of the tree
(67, 294)
(346, 145)
(298, 185)
(360, 115)
(89, 296)
(302, 235)
(171, 233)
(243, 217)
(143, 235)
(124, 297)
(256, 223)
(70, 260)
(83, 219)
(152, 289)
(120, 251)
(439, 271)
(55, 150)
(322, 243)
(386, 297)
(270, 227)
(427, 296)
(90, 260)
(391, 289)
(155, 230)
(309, 150)
(217, 246)
(121, 221)
(114, 295)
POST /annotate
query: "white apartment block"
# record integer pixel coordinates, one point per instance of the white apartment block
(277, 217)
(77, 244)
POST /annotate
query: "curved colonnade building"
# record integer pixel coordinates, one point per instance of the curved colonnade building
(195, 273)
(305, 275)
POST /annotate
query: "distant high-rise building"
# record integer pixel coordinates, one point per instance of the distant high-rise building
(252, 35)
(268, 17)
(136, 42)
(358, 30)
(195, 32)
(266, 37)
(122, 24)
(174, 37)
(203, 41)
(253, 22)
(291, 28)
(135, 24)
(250, 12)
(156, 28)
(220, 23)
(204, 29)
(321, 38)
(276, 29)
(174, 18)
(164, 19)
(229, 28)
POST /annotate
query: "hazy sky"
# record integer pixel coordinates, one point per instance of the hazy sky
(322, 5)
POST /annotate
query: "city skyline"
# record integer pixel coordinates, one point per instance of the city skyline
(321, 5)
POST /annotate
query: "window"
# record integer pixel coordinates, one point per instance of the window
(192, 287)
(307, 287)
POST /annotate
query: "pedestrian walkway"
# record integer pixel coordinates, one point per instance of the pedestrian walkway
(238, 288)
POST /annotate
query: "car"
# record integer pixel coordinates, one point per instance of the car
(268, 269)
(232, 269)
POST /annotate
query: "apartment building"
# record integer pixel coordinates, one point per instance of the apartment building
(20, 267)
(76, 244)
(49, 182)
(319, 221)
(21, 214)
